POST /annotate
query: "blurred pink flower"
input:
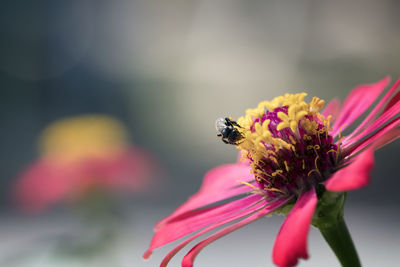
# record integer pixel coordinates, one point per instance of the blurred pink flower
(80, 154)
(289, 150)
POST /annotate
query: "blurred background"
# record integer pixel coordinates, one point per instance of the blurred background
(166, 70)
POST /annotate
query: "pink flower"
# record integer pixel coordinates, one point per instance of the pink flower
(79, 154)
(288, 150)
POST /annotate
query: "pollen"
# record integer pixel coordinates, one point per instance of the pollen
(288, 144)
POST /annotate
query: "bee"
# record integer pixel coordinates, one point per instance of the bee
(228, 131)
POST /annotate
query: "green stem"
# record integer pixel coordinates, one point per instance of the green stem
(339, 239)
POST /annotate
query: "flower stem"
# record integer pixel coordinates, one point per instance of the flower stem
(339, 239)
(328, 218)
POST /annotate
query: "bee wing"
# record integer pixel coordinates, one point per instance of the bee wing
(220, 124)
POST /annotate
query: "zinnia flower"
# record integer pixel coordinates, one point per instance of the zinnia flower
(80, 154)
(292, 158)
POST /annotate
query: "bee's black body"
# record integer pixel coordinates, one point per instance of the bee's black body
(227, 131)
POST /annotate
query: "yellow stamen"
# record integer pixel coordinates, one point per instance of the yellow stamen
(294, 151)
(274, 189)
(339, 141)
(273, 159)
(318, 135)
(260, 179)
(331, 150)
(279, 171)
(286, 166)
(316, 167)
(292, 140)
(248, 184)
(310, 172)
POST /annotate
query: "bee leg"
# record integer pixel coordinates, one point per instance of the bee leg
(235, 124)
(228, 122)
(232, 123)
(226, 142)
(239, 142)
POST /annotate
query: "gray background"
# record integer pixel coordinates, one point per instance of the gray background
(168, 69)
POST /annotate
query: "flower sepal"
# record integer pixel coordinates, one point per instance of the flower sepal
(284, 210)
(330, 207)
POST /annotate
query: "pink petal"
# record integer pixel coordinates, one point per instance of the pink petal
(291, 242)
(383, 136)
(379, 122)
(358, 101)
(176, 229)
(386, 138)
(44, 184)
(236, 216)
(378, 109)
(333, 109)
(219, 183)
(128, 170)
(396, 97)
(354, 176)
(191, 255)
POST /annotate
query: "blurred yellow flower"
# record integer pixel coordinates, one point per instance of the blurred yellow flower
(79, 154)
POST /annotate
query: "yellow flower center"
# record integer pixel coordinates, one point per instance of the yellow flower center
(73, 139)
(287, 142)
